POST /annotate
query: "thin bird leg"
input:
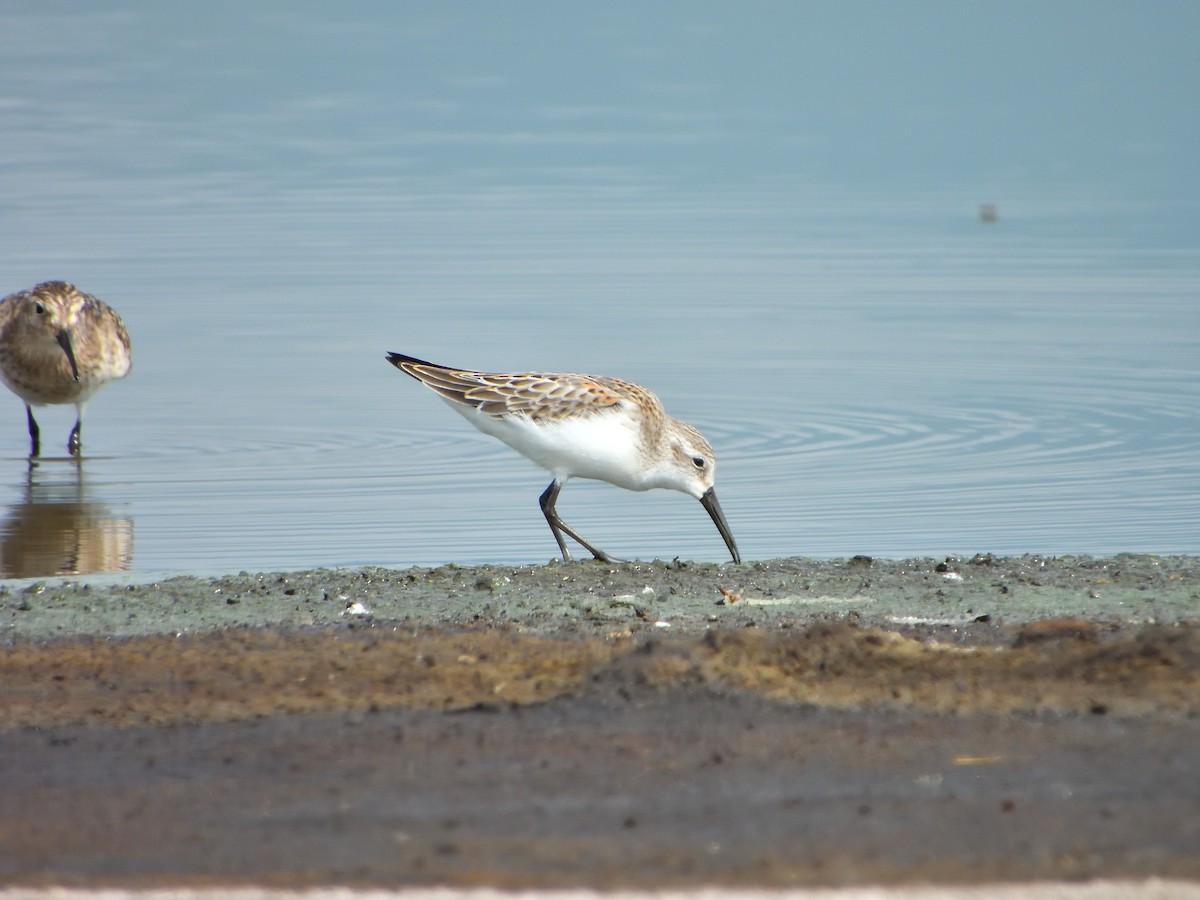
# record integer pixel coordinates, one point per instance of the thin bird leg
(557, 526)
(35, 436)
(547, 501)
(73, 440)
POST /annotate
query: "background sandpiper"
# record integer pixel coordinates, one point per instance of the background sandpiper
(59, 345)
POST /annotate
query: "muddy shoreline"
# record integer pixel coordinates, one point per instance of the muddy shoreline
(784, 723)
(950, 597)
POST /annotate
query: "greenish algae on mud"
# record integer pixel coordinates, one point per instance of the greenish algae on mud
(952, 597)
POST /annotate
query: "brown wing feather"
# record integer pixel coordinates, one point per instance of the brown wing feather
(538, 395)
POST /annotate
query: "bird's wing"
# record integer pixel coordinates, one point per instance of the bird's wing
(536, 395)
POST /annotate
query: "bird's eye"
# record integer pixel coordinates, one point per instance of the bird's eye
(39, 309)
(698, 462)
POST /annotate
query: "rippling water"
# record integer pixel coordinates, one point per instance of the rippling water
(879, 371)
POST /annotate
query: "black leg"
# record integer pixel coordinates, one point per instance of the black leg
(73, 440)
(35, 437)
(547, 501)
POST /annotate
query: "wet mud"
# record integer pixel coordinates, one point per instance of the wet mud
(792, 722)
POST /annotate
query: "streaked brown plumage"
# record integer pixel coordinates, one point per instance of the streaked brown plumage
(59, 345)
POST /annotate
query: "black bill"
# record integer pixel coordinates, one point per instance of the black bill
(709, 501)
(64, 341)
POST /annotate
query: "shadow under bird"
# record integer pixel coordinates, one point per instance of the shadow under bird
(59, 345)
(581, 426)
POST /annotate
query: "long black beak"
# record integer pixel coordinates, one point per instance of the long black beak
(709, 501)
(64, 341)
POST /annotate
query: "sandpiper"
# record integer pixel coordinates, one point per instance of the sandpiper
(581, 426)
(59, 345)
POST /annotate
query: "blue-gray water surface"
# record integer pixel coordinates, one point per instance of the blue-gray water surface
(770, 214)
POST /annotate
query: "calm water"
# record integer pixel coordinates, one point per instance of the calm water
(771, 221)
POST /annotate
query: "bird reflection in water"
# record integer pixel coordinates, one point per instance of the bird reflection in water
(56, 530)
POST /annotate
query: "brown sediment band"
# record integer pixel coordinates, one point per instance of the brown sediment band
(240, 674)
